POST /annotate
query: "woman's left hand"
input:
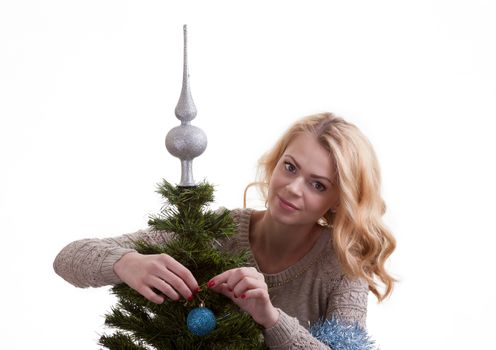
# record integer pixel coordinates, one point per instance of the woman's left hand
(246, 287)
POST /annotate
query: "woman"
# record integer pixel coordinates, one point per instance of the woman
(316, 251)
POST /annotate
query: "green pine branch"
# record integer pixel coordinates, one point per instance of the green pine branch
(197, 234)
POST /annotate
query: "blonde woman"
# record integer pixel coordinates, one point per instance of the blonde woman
(316, 251)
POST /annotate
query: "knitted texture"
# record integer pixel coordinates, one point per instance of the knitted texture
(312, 289)
(90, 262)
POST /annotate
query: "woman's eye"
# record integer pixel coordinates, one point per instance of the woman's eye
(318, 186)
(289, 167)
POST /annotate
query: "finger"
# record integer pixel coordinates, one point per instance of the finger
(182, 272)
(255, 294)
(232, 277)
(223, 289)
(244, 276)
(149, 294)
(219, 279)
(164, 287)
(248, 283)
(175, 282)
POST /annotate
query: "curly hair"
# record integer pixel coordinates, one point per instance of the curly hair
(361, 240)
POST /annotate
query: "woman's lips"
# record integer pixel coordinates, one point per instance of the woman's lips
(287, 205)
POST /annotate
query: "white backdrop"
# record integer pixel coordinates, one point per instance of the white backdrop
(87, 95)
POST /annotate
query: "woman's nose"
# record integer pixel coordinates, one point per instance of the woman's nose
(296, 186)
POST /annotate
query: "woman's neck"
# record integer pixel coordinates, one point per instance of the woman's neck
(276, 246)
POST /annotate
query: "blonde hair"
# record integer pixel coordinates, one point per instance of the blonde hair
(360, 239)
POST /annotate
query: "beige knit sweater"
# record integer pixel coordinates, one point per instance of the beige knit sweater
(313, 288)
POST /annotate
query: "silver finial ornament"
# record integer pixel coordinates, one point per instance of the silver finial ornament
(186, 141)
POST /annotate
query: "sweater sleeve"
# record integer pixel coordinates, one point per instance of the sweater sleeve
(288, 334)
(347, 303)
(90, 262)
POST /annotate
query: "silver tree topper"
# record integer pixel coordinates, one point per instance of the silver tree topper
(186, 141)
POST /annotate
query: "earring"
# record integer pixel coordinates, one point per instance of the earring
(323, 222)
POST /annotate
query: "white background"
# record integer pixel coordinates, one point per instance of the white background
(87, 95)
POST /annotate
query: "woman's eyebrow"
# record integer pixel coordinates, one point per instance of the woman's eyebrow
(321, 177)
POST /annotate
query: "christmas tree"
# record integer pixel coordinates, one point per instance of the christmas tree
(210, 320)
(197, 244)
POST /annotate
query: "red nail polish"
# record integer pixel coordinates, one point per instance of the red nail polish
(190, 298)
(197, 290)
(243, 296)
(211, 283)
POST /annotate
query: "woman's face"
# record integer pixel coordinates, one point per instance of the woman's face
(302, 188)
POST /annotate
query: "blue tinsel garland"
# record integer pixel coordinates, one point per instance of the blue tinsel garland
(340, 335)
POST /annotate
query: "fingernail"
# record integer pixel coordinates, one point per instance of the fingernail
(197, 290)
(190, 298)
(211, 283)
(243, 296)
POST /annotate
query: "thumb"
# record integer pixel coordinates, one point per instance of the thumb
(222, 289)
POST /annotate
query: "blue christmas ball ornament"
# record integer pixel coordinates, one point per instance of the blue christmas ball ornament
(201, 321)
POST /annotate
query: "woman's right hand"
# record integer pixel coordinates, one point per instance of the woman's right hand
(159, 271)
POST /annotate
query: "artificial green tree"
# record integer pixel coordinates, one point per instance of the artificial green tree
(197, 236)
(197, 240)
